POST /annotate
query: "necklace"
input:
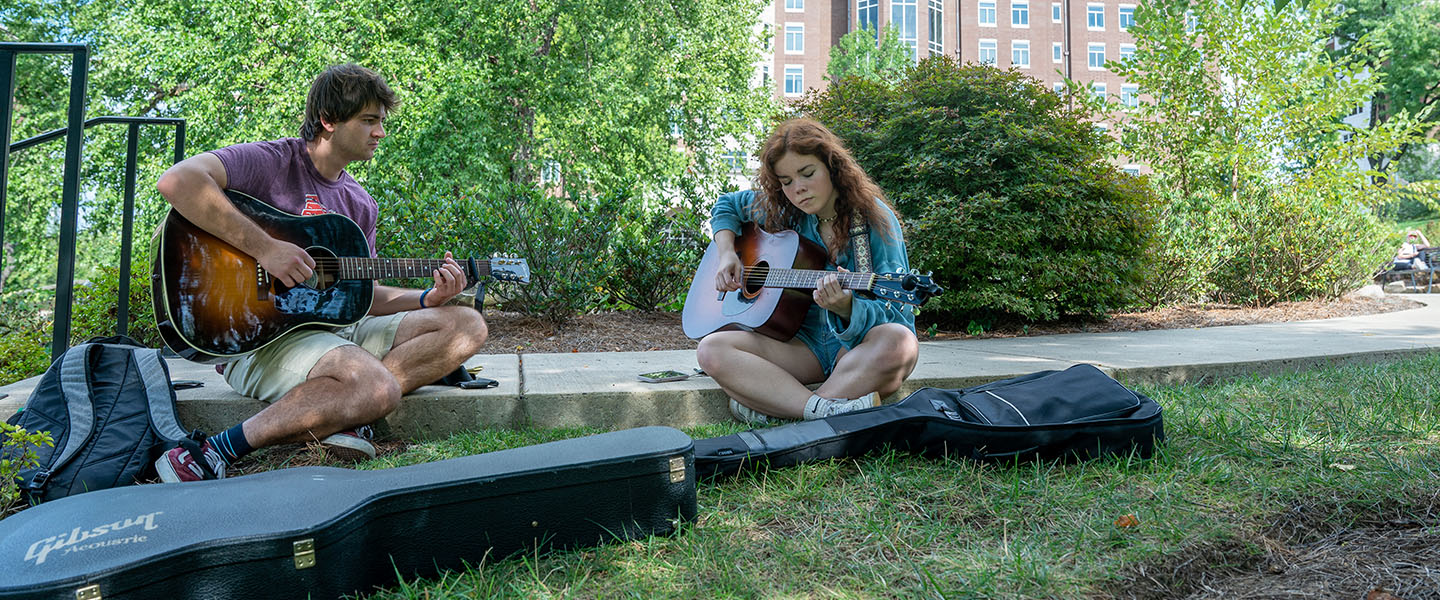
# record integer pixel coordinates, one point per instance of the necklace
(824, 220)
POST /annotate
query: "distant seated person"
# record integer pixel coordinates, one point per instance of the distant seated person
(1408, 256)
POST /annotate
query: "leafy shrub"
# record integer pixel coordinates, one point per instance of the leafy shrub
(1005, 191)
(653, 255)
(1295, 243)
(24, 338)
(564, 242)
(20, 445)
(27, 318)
(414, 226)
(96, 305)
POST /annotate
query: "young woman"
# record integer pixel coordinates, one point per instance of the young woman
(862, 349)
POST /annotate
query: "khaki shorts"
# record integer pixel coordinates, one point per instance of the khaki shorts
(272, 371)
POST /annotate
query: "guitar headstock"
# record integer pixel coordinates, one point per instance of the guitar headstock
(910, 288)
(509, 268)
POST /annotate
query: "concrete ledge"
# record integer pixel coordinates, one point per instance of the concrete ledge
(600, 389)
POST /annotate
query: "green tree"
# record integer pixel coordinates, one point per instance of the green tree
(1264, 198)
(870, 55)
(1399, 39)
(609, 97)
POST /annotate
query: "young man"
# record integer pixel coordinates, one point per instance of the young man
(322, 385)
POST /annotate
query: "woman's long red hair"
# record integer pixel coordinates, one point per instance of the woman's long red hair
(857, 194)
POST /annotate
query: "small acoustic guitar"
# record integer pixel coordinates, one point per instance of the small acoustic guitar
(777, 266)
(214, 303)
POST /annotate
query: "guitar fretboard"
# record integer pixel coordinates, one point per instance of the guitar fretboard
(391, 268)
(806, 278)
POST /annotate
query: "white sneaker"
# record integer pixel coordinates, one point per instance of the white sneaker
(747, 415)
(819, 408)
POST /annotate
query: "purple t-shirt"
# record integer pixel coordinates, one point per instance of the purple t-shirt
(281, 174)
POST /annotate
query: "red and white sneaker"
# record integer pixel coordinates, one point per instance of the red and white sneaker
(178, 465)
(352, 444)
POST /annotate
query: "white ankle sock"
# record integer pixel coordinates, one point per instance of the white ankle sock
(819, 407)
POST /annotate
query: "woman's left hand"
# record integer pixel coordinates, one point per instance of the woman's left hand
(832, 297)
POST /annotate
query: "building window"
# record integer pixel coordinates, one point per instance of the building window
(1019, 13)
(987, 52)
(1131, 170)
(765, 75)
(794, 5)
(1057, 50)
(549, 172)
(735, 160)
(794, 38)
(1346, 136)
(1127, 51)
(1098, 91)
(937, 26)
(1055, 8)
(794, 80)
(1020, 53)
(1097, 56)
(1058, 86)
(868, 12)
(987, 13)
(904, 14)
(1127, 17)
(1130, 95)
(1095, 17)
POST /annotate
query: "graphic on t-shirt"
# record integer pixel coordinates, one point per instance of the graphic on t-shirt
(313, 206)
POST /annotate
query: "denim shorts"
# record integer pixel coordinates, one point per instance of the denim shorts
(271, 372)
(824, 345)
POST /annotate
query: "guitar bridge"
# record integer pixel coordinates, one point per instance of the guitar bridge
(262, 281)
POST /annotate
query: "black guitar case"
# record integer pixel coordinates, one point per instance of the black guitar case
(1075, 414)
(322, 532)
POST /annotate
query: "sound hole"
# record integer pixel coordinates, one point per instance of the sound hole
(755, 278)
(327, 268)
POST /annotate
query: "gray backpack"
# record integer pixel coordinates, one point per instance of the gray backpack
(109, 408)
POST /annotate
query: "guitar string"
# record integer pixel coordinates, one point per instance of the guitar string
(757, 275)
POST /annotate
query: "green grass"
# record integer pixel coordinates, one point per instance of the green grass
(1316, 451)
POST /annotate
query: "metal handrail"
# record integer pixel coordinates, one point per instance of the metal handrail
(69, 208)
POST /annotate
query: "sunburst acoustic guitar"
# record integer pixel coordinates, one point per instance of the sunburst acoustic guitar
(213, 303)
(777, 267)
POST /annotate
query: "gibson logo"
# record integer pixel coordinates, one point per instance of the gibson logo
(75, 541)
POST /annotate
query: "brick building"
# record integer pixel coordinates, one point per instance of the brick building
(1048, 40)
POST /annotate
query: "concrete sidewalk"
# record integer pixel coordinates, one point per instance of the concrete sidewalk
(600, 389)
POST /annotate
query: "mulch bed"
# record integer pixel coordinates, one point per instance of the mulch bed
(635, 331)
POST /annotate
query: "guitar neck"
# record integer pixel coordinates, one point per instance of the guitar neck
(806, 278)
(394, 268)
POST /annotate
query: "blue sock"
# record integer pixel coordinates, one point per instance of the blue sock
(231, 444)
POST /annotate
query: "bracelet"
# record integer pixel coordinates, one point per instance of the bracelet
(422, 296)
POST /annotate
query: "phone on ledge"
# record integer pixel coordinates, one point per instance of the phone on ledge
(662, 376)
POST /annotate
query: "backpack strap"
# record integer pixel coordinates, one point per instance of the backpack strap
(860, 243)
(75, 389)
(157, 388)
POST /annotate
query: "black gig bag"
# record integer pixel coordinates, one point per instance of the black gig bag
(324, 532)
(1076, 414)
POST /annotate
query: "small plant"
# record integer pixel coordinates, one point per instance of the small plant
(17, 454)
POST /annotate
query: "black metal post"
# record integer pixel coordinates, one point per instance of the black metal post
(7, 97)
(179, 140)
(132, 148)
(70, 203)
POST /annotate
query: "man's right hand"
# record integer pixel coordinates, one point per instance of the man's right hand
(287, 262)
